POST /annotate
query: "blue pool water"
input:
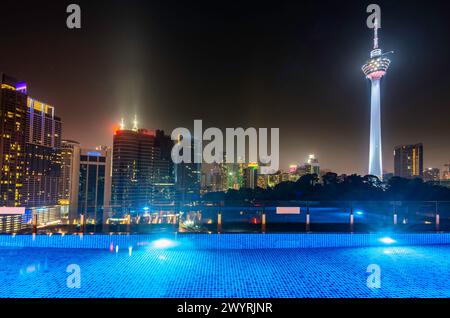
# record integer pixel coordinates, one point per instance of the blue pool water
(165, 271)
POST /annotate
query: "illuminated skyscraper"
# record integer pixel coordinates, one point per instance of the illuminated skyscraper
(163, 182)
(143, 172)
(250, 176)
(42, 155)
(375, 69)
(212, 179)
(13, 112)
(90, 184)
(408, 161)
(315, 166)
(68, 147)
(188, 178)
(134, 154)
(29, 148)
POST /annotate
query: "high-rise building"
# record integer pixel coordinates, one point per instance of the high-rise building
(431, 174)
(134, 156)
(13, 113)
(68, 147)
(313, 164)
(90, 184)
(42, 155)
(250, 176)
(446, 173)
(163, 181)
(374, 69)
(212, 181)
(143, 171)
(408, 161)
(188, 178)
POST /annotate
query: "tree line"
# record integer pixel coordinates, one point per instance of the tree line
(334, 187)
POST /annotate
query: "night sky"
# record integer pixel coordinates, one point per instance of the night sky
(295, 65)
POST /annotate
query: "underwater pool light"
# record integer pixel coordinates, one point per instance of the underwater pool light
(387, 240)
(163, 243)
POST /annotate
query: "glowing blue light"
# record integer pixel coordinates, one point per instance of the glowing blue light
(146, 208)
(94, 154)
(163, 243)
(21, 87)
(387, 240)
(359, 213)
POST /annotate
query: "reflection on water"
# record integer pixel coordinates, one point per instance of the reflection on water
(33, 268)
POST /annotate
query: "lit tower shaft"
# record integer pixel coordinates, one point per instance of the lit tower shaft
(375, 69)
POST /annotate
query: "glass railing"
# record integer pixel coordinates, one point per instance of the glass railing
(267, 217)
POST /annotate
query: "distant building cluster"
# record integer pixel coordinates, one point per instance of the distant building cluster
(409, 163)
(226, 176)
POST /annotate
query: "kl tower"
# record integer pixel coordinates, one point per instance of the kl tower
(374, 69)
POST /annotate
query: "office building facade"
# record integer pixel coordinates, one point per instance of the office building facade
(90, 195)
(42, 155)
(13, 111)
(68, 148)
(143, 172)
(408, 161)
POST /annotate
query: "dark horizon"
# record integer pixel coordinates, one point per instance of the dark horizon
(296, 66)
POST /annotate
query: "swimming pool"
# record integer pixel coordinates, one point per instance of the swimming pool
(173, 268)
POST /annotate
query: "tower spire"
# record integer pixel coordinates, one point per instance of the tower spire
(122, 124)
(375, 34)
(374, 69)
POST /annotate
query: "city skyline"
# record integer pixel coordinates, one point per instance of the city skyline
(296, 89)
(224, 157)
(52, 137)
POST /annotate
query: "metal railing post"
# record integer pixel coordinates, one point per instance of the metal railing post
(219, 222)
(82, 221)
(352, 217)
(437, 217)
(35, 222)
(395, 214)
(307, 217)
(263, 222)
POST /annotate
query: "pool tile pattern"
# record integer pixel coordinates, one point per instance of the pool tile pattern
(406, 271)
